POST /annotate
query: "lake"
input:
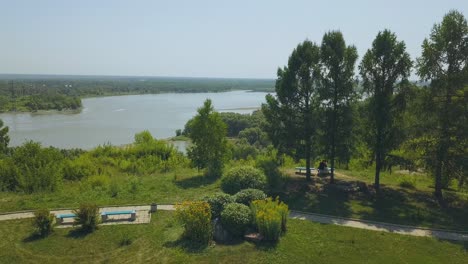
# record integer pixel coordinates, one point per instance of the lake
(116, 119)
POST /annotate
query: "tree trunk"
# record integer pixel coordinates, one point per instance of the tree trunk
(332, 161)
(378, 167)
(438, 179)
(307, 150)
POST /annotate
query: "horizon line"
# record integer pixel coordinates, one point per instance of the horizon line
(124, 76)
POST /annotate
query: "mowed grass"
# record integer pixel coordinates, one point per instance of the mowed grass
(159, 242)
(162, 188)
(397, 205)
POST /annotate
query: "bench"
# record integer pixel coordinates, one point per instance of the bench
(302, 170)
(325, 171)
(60, 217)
(132, 213)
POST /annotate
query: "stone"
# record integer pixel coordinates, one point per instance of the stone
(220, 234)
(253, 237)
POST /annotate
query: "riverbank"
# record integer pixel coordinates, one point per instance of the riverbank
(116, 119)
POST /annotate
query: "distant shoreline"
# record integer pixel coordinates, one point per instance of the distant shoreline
(76, 111)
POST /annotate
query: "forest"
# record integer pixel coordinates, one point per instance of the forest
(29, 93)
(373, 125)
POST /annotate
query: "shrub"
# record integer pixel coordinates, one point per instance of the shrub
(270, 217)
(269, 165)
(196, 218)
(407, 182)
(236, 218)
(43, 222)
(87, 216)
(217, 203)
(244, 177)
(126, 239)
(114, 189)
(100, 182)
(134, 185)
(246, 196)
(78, 168)
(38, 169)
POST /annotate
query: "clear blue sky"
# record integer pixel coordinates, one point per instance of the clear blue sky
(195, 38)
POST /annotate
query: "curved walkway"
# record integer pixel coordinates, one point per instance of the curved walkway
(379, 226)
(324, 219)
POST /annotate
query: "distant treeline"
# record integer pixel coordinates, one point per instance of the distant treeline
(31, 93)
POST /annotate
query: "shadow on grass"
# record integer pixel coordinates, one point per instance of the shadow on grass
(187, 245)
(391, 205)
(266, 245)
(33, 237)
(417, 208)
(195, 182)
(307, 196)
(79, 233)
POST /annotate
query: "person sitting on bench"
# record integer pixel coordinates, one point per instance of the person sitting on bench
(322, 166)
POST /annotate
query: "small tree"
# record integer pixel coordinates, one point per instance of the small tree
(43, 222)
(208, 134)
(87, 216)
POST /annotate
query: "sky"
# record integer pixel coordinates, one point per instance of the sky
(232, 39)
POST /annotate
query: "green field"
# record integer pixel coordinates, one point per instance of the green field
(162, 188)
(159, 242)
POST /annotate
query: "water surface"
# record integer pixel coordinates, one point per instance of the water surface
(116, 119)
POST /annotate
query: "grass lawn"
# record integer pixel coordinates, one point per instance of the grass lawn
(159, 242)
(396, 205)
(185, 184)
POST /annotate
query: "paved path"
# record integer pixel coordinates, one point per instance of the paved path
(325, 219)
(30, 214)
(378, 226)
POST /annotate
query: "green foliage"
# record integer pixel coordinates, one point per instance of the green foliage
(444, 63)
(208, 134)
(386, 93)
(9, 180)
(97, 182)
(236, 218)
(143, 138)
(270, 217)
(36, 168)
(148, 155)
(126, 239)
(114, 189)
(217, 203)
(242, 177)
(290, 114)
(241, 149)
(407, 182)
(133, 185)
(87, 216)
(246, 196)
(336, 94)
(31, 94)
(79, 168)
(196, 218)
(269, 164)
(4, 138)
(43, 222)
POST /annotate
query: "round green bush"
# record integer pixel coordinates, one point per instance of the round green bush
(236, 218)
(243, 177)
(248, 195)
(217, 203)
